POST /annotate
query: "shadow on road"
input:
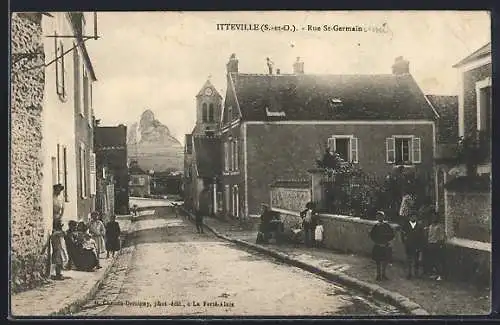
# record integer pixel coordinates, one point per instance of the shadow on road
(167, 234)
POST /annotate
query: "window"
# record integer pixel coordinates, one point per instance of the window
(62, 169)
(65, 178)
(83, 172)
(53, 161)
(60, 71)
(236, 200)
(227, 196)
(345, 146)
(86, 96)
(403, 150)
(204, 113)
(483, 99)
(189, 146)
(93, 171)
(226, 156)
(229, 114)
(234, 151)
(211, 113)
(78, 82)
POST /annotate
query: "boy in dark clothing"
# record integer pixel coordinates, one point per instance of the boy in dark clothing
(381, 234)
(414, 239)
(70, 239)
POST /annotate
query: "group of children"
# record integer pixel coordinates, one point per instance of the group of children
(423, 242)
(82, 244)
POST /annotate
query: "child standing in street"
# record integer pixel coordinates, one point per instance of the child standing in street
(59, 256)
(435, 247)
(381, 234)
(112, 236)
(318, 234)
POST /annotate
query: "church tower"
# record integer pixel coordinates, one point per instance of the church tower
(208, 110)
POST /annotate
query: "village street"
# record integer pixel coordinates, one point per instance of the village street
(169, 269)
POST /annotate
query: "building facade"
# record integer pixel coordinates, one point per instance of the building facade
(45, 75)
(274, 127)
(202, 159)
(65, 98)
(111, 152)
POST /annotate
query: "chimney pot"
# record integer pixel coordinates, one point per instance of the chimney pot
(278, 71)
(298, 67)
(401, 66)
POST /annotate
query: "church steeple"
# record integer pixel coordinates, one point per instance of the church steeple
(209, 106)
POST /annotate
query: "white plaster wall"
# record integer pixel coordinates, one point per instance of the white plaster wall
(58, 116)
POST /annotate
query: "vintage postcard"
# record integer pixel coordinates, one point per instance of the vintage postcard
(295, 163)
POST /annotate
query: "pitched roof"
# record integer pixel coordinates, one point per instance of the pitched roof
(447, 124)
(331, 97)
(208, 84)
(208, 156)
(485, 50)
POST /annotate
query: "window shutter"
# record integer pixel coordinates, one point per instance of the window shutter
(226, 156)
(59, 163)
(390, 148)
(416, 151)
(56, 51)
(354, 150)
(331, 143)
(93, 171)
(236, 155)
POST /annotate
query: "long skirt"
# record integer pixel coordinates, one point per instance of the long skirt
(99, 241)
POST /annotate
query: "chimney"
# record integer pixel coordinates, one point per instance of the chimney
(278, 71)
(232, 65)
(298, 67)
(400, 66)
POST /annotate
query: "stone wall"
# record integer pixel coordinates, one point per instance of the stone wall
(28, 235)
(290, 198)
(465, 260)
(468, 215)
(346, 234)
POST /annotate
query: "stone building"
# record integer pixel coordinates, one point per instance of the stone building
(274, 127)
(29, 231)
(51, 80)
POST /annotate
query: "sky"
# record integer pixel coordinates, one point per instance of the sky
(160, 60)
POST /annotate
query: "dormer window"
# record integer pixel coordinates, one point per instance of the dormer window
(335, 102)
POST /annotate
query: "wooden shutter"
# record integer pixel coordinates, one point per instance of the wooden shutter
(236, 155)
(82, 171)
(59, 165)
(354, 150)
(416, 151)
(390, 149)
(227, 197)
(93, 172)
(226, 156)
(65, 173)
(331, 143)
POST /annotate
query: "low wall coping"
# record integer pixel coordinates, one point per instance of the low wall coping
(472, 244)
(335, 216)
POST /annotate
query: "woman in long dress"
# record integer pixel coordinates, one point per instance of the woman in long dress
(97, 230)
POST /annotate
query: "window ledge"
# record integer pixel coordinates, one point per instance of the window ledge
(404, 165)
(229, 173)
